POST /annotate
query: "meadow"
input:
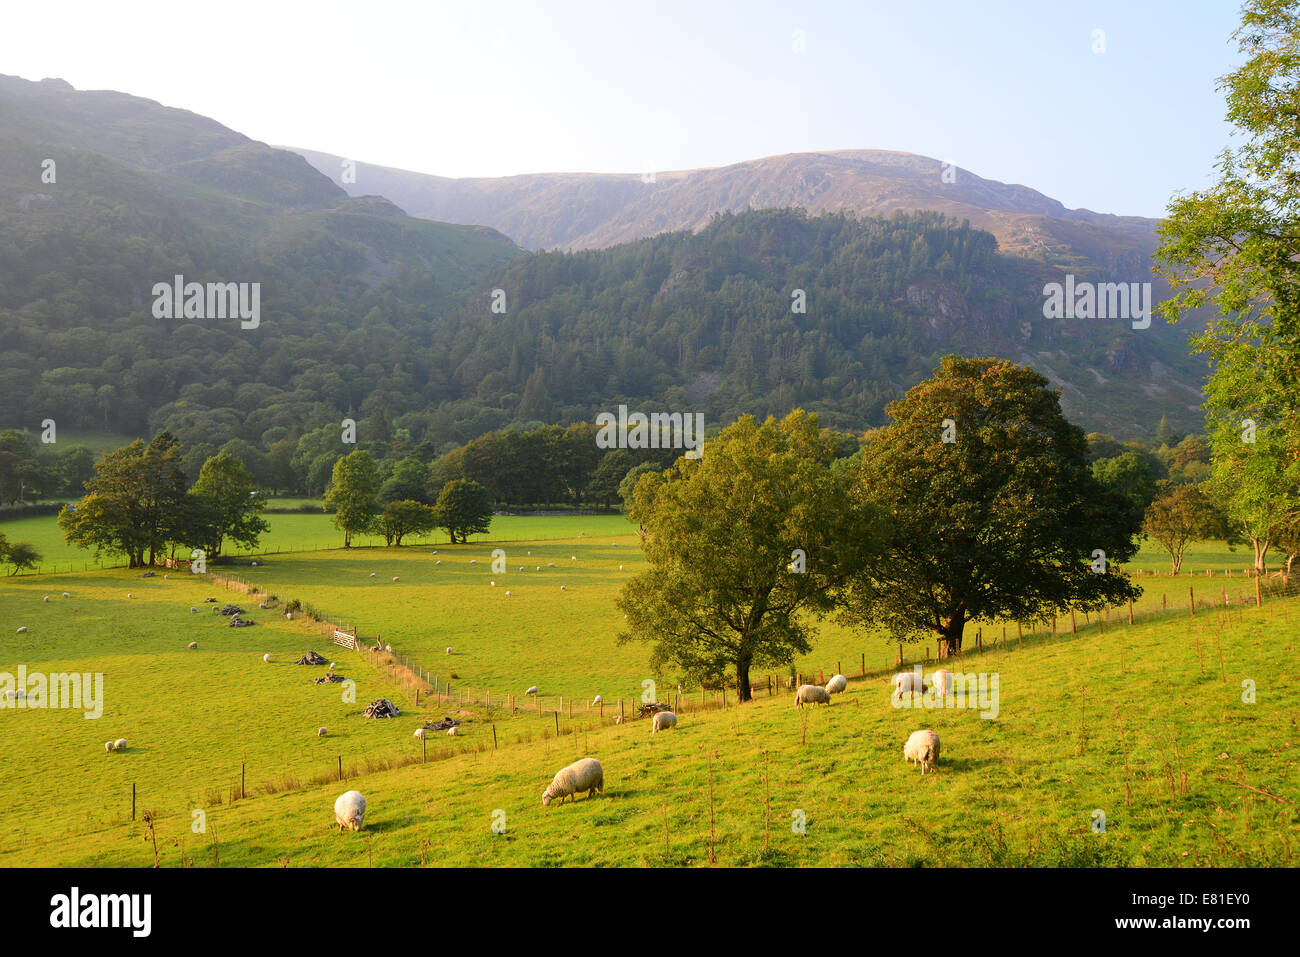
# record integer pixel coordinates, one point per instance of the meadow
(1145, 723)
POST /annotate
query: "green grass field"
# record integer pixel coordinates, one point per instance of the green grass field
(1019, 789)
(1140, 725)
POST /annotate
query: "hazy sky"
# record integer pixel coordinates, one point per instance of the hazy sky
(1011, 91)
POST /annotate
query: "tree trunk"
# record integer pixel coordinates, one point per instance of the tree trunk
(950, 630)
(743, 690)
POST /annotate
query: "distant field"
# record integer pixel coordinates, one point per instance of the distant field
(309, 531)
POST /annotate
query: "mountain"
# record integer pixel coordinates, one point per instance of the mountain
(103, 195)
(372, 313)
(595, 210)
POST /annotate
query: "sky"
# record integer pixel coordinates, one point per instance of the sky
(1115, 121)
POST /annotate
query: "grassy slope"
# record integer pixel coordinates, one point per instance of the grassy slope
(1020, 789)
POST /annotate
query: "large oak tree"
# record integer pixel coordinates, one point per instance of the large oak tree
(995, 513)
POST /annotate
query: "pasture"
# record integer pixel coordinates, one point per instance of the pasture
(1136, 727)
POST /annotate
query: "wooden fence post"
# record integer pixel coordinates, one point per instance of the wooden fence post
(1191, 600)
(1258, 600)
(1130, 611)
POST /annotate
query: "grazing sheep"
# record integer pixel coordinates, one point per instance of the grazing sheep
(620, 567)
(193, 645)
(473, 561)
(388, 648)
(129, 595)
(596, 700)
(493, 584)
(266, 658)
(108, 746)
(67, 595)
(837, 684)
(372, 574)
(193, 610)
(321, 732)
(22, 629)
(662, 721)
(584, 775)
(942, 682)
(449, 649)
(562, 588)
(419, 733)
(550, 564)
(573, 558)
(521, 567)
(907, 682)
(811, 694)
(350, 810)
(46, 598)
(537, 568)
(922, 748)
(395, 578)
(119, 744)
(453, 731)
(532, 690)
(507, 594)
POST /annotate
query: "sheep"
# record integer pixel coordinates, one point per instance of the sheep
(321, 732)
(350, 810)
(550, 564)
(449, 649)
(922, 748)
(22, 629)
(811, 694)
(562, 588)
(108, 746)
(119, 744)
(372, 574)
(453, 731)
(395, 578)
(507, 594)
(438, 562)
(662, 721)
(573, 558)
(46, 598)
(493, 584)
(907, 681)
(419, 733)
(596, 700)
(193, 610)
(837, 684)
(193, 645)
(584, 775)
(473, 561)
(531, 690)
(537, 568)
(266, 658)
(941, 682)
(129, 595)
(388, 648)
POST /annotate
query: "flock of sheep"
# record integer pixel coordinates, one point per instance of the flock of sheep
(587, 776)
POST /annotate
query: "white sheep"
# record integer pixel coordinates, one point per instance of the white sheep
(438, 562)
(811, 694)
(532, 690)
(449, 649)
(266, 658)
(46, 598)
(493, 584)
(395, 578)
(941, 682)
(837, 684)
(473, 561)
(119, 744)
(67, 595)
(372, 574)
(906, 682)
(507, 594)
(350, 810)
(662, 721)
(596, 701)
(193, 645)
(388, 648)
(193, 610)
(108, 746)
(129, 595)
(922, 748)
(550, 564)
(562, 588)
(583, 775)
(22, 629)
(419, 733)
(321, 732)
(453, 731)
